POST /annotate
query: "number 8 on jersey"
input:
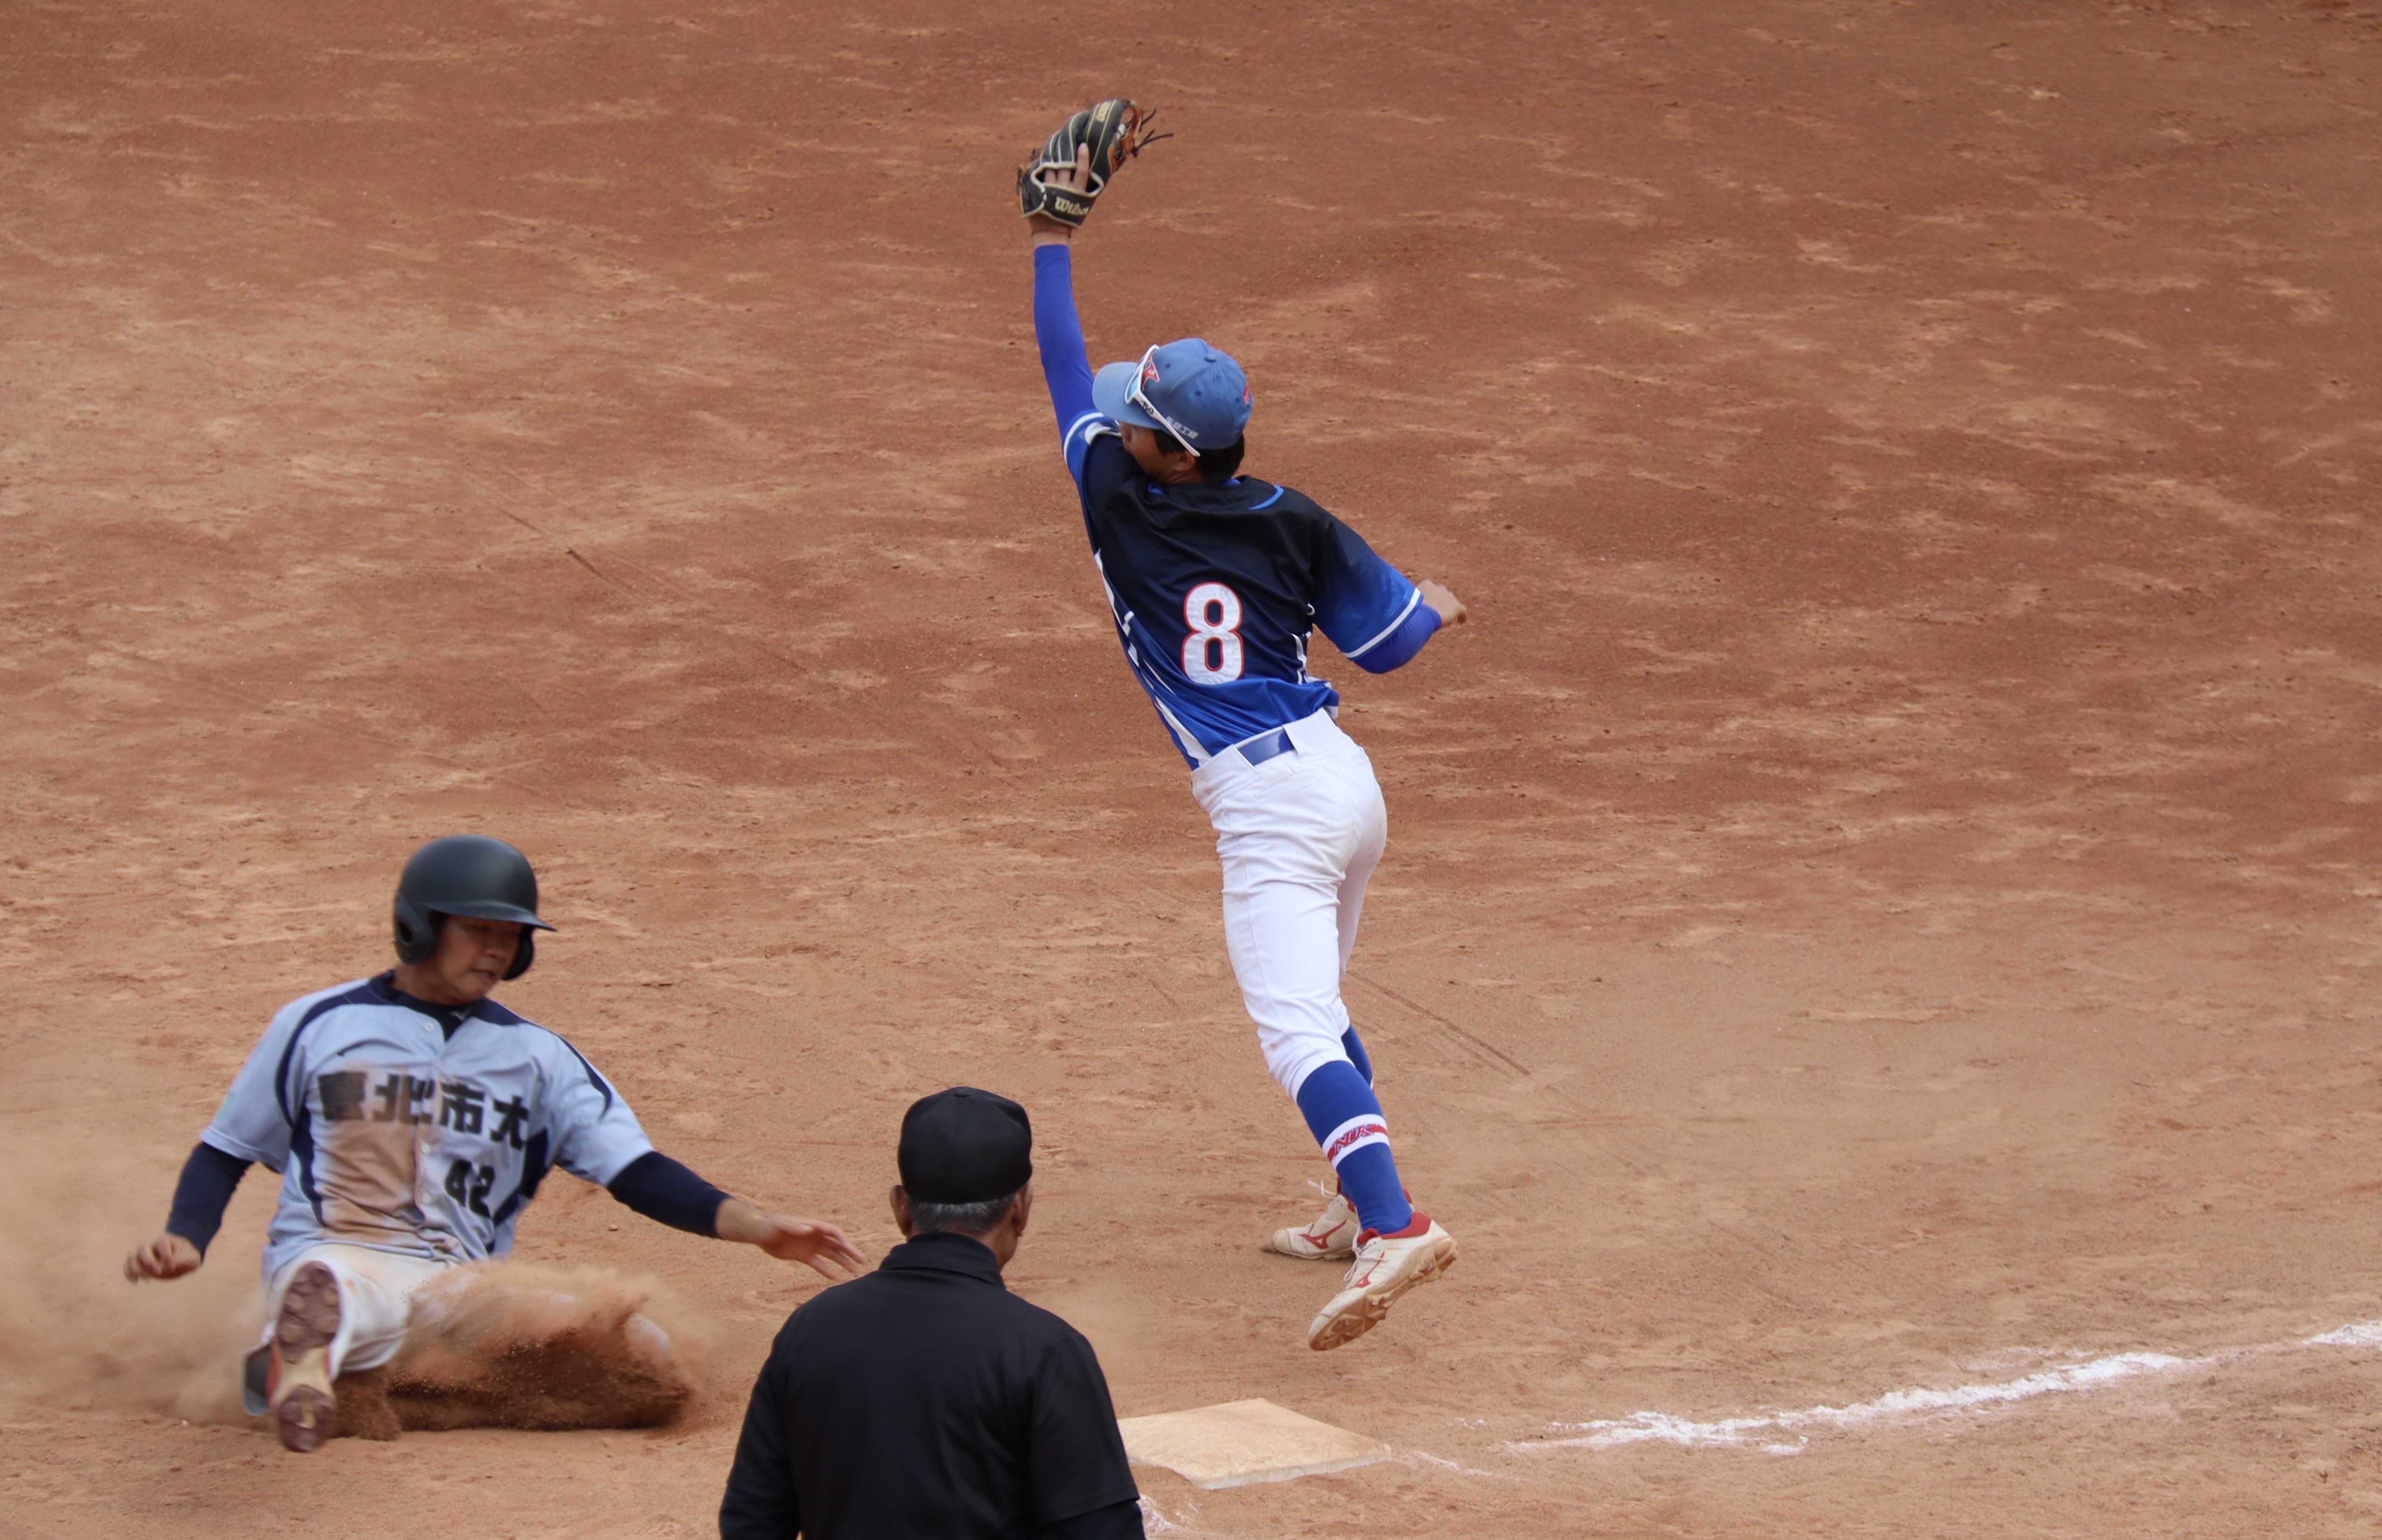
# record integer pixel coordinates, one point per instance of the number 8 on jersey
(1211, 652)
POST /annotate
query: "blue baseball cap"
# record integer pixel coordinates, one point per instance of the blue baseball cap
(1193, 391)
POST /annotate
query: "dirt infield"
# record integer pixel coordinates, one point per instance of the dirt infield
(1882, 898)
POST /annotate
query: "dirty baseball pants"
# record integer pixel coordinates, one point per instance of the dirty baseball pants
(376, 1291)
(388, 1298)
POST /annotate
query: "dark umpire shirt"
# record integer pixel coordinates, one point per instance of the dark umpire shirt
(927, 1401)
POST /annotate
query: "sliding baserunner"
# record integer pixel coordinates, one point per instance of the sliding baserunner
(410, 1120)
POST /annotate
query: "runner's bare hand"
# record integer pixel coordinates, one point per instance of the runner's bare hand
(820, 1247)
(168, 1256)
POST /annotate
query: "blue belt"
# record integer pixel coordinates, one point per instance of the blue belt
(1265, 746)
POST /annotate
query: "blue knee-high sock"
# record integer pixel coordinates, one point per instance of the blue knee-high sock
(1345, 1118)
(1356, 1055)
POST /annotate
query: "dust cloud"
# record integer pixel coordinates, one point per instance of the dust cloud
(492, 1345)
(521, 1345)
(74, 1331)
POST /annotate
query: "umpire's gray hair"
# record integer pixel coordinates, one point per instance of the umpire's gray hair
(972, 1219)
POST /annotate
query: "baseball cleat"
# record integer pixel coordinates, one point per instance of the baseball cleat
(1385, 1267)
(1330, 1238)
(305, 1413)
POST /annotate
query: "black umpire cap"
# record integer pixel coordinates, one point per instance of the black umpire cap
(966, 1146)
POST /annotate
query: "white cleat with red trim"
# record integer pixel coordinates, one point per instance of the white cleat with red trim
(1384, 1268)
(1330, 1238)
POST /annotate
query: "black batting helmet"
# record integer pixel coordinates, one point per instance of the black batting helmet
(468, 874)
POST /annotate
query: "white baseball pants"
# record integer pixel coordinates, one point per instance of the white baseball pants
(1299, 836)
(377, 1292)
(382, 1296)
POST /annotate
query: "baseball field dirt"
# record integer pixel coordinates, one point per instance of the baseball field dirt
(1876, 957)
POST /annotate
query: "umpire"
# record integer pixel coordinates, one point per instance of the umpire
(925, 1401)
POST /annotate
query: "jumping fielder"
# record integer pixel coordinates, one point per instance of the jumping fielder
(1215, 580)
(411, 1118)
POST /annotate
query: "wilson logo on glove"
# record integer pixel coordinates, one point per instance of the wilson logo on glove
(1115, 131)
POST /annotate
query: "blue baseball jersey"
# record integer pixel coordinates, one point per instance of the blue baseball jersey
(391, 1132)
(1216, 587)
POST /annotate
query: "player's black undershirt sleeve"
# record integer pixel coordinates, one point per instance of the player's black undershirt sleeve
(205, 1190)
(1117, 1522)
(667, 1194)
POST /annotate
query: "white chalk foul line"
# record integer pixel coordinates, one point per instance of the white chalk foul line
(1790, 1432)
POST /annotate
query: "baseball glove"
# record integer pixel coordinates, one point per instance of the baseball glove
(1115, 130)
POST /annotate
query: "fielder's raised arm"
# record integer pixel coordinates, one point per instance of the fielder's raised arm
(1057, 195)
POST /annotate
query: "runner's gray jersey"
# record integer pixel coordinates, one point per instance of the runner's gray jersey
(391, 1132)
